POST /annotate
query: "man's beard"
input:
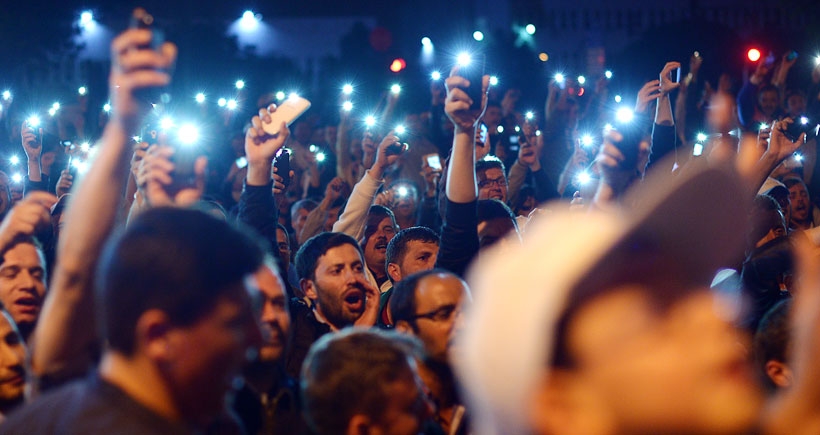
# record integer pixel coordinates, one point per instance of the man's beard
(333, 309)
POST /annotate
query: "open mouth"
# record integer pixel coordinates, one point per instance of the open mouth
(28, 303)
(354, 300)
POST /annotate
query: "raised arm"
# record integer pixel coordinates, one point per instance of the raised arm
(66, 335)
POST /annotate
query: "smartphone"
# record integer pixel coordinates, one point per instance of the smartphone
(72, 170)
(674, 75)
(802, 124)
(433, 161)
(290, 109)
(474, 72)
(282, 165)
(395, 149)
(141, 19)
(791, 56)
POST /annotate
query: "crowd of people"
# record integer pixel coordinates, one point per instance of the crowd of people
(478, 270)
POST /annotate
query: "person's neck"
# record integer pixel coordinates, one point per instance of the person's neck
(140, 380)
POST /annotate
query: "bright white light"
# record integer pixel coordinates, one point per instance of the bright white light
(33, 121)
(500, 129)
(347, 106)
(493, 81)
(559, 78)
(313, 148)
(347, 89)
(607, 127)
(280, 95)
(618, 98)
(86, 19)
(85, 147)
(517, 129)
(402, 191)
(200, 98)
(762, 126)
(463, 59)
(582, 80)
(136, 139)
(293, 95)
(82, 90)
(804, 120)
(6, 95)
(701, 137)
(370, 120)
(81, 166)
(14, 160)
(166, 123)
(249, 21)
(426, 42)
(586, 140)
(608, 74)
(55, 106)
(395, 89)
(530, 29)
(529, 115)
(583, 178)
(17, 178)
(435, 75)
(52, 111)
(624, 115)
(188, 134)
(240, 84)
(400, 129)
(107, 107)
(697, 149)
(231, 105)
(320, 157)
(798, 157)
(478, 35)
(221, 102)
(817, 60)
(538, 132)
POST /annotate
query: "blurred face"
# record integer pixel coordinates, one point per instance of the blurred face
(800, 205)
(768, 102)
(494, 230)
(420, 256)
(492, 184)
(406, 408)
(330, 134)
(298, 219)
(404, 200)
(679, 369)
(275, 317)
(492, 117)
(5, 195)
(22, 284)
(12, 365)
(439, 301)
(338, 289)
(376, 247)
(207, 355)
(283, 247)
(332, 217)
(796, 105)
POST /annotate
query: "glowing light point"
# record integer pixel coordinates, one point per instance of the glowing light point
(17, 178)
(500, 129)
(753, 55)
(530, 29)
(493, 80)
(559, 78)
(55, 106)
(249, 21)
(347, 89)
(478, 35)
(280, 95)
(624, 115)
(701, 137)
(400, 129)
(200, 98)
(188, 134)
(529, 115)
(618, 98)
(798, 157)
(14, 160)
(402, 191)
(231, 104)
(435, 75)
(347, 106)
(370, 120)
(166, 123)
(463, 59)
(586, 140)
(583, 178)
(240, 84)
(697, 149)
(582, 80)
(608, 74)
(221, 102)
(426, 42)
(320, 157)
(7, 95)
(395, 89)
(82, 90)
(85, 147)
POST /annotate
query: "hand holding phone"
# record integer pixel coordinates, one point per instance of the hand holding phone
(282, 165)
(290, 109)
(433, 161)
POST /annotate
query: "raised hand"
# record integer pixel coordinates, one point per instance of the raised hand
(388, 152)
(31, 214)
(666, 83)
(155, 179)
(457, 105)
(64, 183)
(32, 141)
(650, 91)
(261, 147)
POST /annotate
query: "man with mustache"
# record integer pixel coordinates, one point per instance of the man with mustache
(13, 374)
(379, 230)
(331, 269)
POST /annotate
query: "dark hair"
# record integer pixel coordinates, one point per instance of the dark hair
(792, 181)
(402, 303)
(764, 216)
(772, 340)
(175, 260)
(397, 247)
(350, 373)
(375, 215)
(489, 209)
(307, 204)
(767, 88)
(489, 163)
(315, 247)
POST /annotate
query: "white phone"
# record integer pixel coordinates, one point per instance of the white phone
(433, 161)
(290, 109)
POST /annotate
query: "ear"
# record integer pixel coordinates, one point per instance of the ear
(152, 335)
(404, 327)
(359, 425)
(564, 403)
(780, 373)
(308, 289)
(394, 272)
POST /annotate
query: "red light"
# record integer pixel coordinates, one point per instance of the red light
(397, 65)
(753, 54)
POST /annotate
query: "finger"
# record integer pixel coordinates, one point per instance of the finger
(141, 59)
(143, 79)
(41, 197)
(264, 115)
(130, 39)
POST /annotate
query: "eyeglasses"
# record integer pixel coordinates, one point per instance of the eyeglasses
(441, 314)
(500, 182)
